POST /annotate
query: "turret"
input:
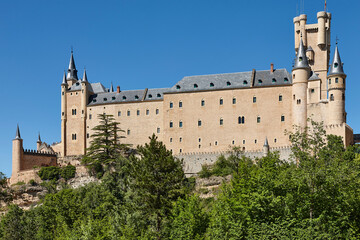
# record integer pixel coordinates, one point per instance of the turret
(84, 100)
(300, 76)
(64, 88)
(72, 72)
(16, 153)
(336, 88)
(266, 147)
(38, 143)
(303, 35)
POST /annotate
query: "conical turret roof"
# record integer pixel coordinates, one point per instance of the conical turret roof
(72, 72)
(266, 143)
(64, 79)
(39, 139)
(111, 88)
(336, 67)
(301, 59)
(17, 136)
(84, 76)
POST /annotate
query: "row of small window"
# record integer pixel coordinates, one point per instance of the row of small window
(124, 97)
(128, 113)
(241, 120)
(245, 82)
(73, 112)
(332, 98)
(221, 101)
(216, 142)
(336, 80)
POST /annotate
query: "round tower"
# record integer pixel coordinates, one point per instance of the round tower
(64, 88)
(300, 76)
(303, 19)
(38, 143)
(17, 148)
(84, 100)
(336, 89)
(322, 18)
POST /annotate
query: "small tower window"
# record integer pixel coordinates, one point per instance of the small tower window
(171, 124)
(138, 112)
(158, 95)
(73, 111)
(244, 141)
(216, 143)
(73, 136)
(336, 65)
(273, 80)
(258, 119)
(312, 90)
(221, 101)
(199, 139)
(180, 104)
(105, 99)
(245, 82)
(178, 87)
(298, 101)
(254, 99)
(158, 130)
(180, 139)
(280, 98)
(202, 103)
(241, 120)
(300, 59)
(228, 83)
(180, 150)
(87, 135)
(211, 84)
(255, 141)
(329, 80)
(286, 80)
(90, 116)
(195, 85)
(124, 97)
(199, 123)
(260, 81)
(113, 98)
(336, 80)
(147, 111)
(128, 112)
(221, 121)
(171, 105)
(150, 95)
(136, 97)
(331, 97)
(157, 111)
(128, 132)
(170, 139)
(283, 118)
(180, 124)
(234, 100)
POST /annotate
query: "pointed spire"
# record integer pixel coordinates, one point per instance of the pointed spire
(17, 133)
(301, 59)
(111, 88)
(64, 79)
(266, 143)
(336, 67)
(84, 76)
(72, 72)
(39, 139)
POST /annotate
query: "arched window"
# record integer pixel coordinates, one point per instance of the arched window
(171, 124)
(331, 97)
(234, 100)
(158, 130)
(138, 112)
(158, 95)
(282, 118)
(258, 119)
(128, 132)
(199, 123)
(180, 124)
(202, 102)
(336, 80)
(260, 81)
(228, 83)
(254, 99)
(147, 112)
(280, 98)
(241, 120)
(195, 85)
(211, 84)
(157, 111)
(245, 82)
(178, 87)
(124, 97)
(221, 101)
(150, 96)
(221, 121)
(286, 80)
(180, 104)
(171, 105)
(105, 99)
(273, 80)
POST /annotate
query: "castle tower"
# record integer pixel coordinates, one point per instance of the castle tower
(266, 147)
(64, 88)
(17, 151)
(72, 72)
(84, 99)
(38, 143)
(300, 76)
(336, 84)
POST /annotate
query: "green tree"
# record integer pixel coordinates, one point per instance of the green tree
(105, 147)
(158, 181)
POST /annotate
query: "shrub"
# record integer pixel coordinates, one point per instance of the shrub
(205, 171)
(49, 173)
(68, 172)
(32, 182)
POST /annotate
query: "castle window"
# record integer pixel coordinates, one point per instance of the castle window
(260, 81)
(293, 76)
(77, 84)
(329, 80)
(171, 124)
(170, 139)
(128, 132)
(300, 59)
(73, 136)
(158, 130)
(90, 116)
(233, 142)
(343, 97)
(113, 98)
(136, 97)
(157, 111)
(180, 139)
(254, 99)
(199, 145)
(147, 111)
(124, 97)
(336, 80)
(245, 82)
(275, 140)
(195, 85)
(150, 96)
(138, 112)
(202, 103)
(94, 100)
(211, 84)
(180, 124)
(282, 118)
(221, 101)
(178, 87)
(294, 96)
(180, 104)
(128, 112)
(119, 113)
(255, 141)
(73, 111)
(312, 90)
(331, 97)
(171, 105)
(63, 114)
(199, 139)
(336, 65)
(280, 98)
(241, 120)
(298, 101)
(63, 93)
(228, 83)
(221, 121)
(258, 119)
(199, 123)
(87, 135)
(287, 80)
(105, 99)
(180, 150)
(158, 95)
(216, 143)
(234, 100)
(244, 141)
(71, 94)
(273, 80)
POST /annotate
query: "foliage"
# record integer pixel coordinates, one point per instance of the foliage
(68, 172)
(32, 182)
(49, 173)
(105, 147)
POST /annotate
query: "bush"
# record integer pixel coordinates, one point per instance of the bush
(32, 182)
(205, 171)
(68, 172)
(49, 173)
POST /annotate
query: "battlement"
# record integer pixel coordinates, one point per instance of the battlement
(39, 153)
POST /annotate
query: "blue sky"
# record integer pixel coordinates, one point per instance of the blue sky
(138, 44)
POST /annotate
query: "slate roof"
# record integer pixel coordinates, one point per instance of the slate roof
(94, 87)
(336, 67)
(127, 96)
(232, 80)
(314, 76)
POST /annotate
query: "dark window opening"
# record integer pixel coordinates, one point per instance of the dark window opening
(331, 97)
(254, 99)
(234, 101)
(280, 98)
(211, 84)
(199, 123)
(283, 118)
(221, 101)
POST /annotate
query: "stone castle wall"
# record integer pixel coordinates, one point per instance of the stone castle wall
(33, 159)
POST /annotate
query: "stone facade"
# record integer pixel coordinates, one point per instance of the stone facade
(202, 116)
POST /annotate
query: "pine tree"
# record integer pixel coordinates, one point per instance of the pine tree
(105, 147)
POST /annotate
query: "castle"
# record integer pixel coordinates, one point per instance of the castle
(202, 116)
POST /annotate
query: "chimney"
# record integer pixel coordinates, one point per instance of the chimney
(118, 89)
(271, 67)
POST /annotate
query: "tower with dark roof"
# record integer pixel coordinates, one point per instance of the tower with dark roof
(17, 149)
(336, 88)
(72, 72)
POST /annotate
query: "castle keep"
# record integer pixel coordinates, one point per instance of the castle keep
(202, 116)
